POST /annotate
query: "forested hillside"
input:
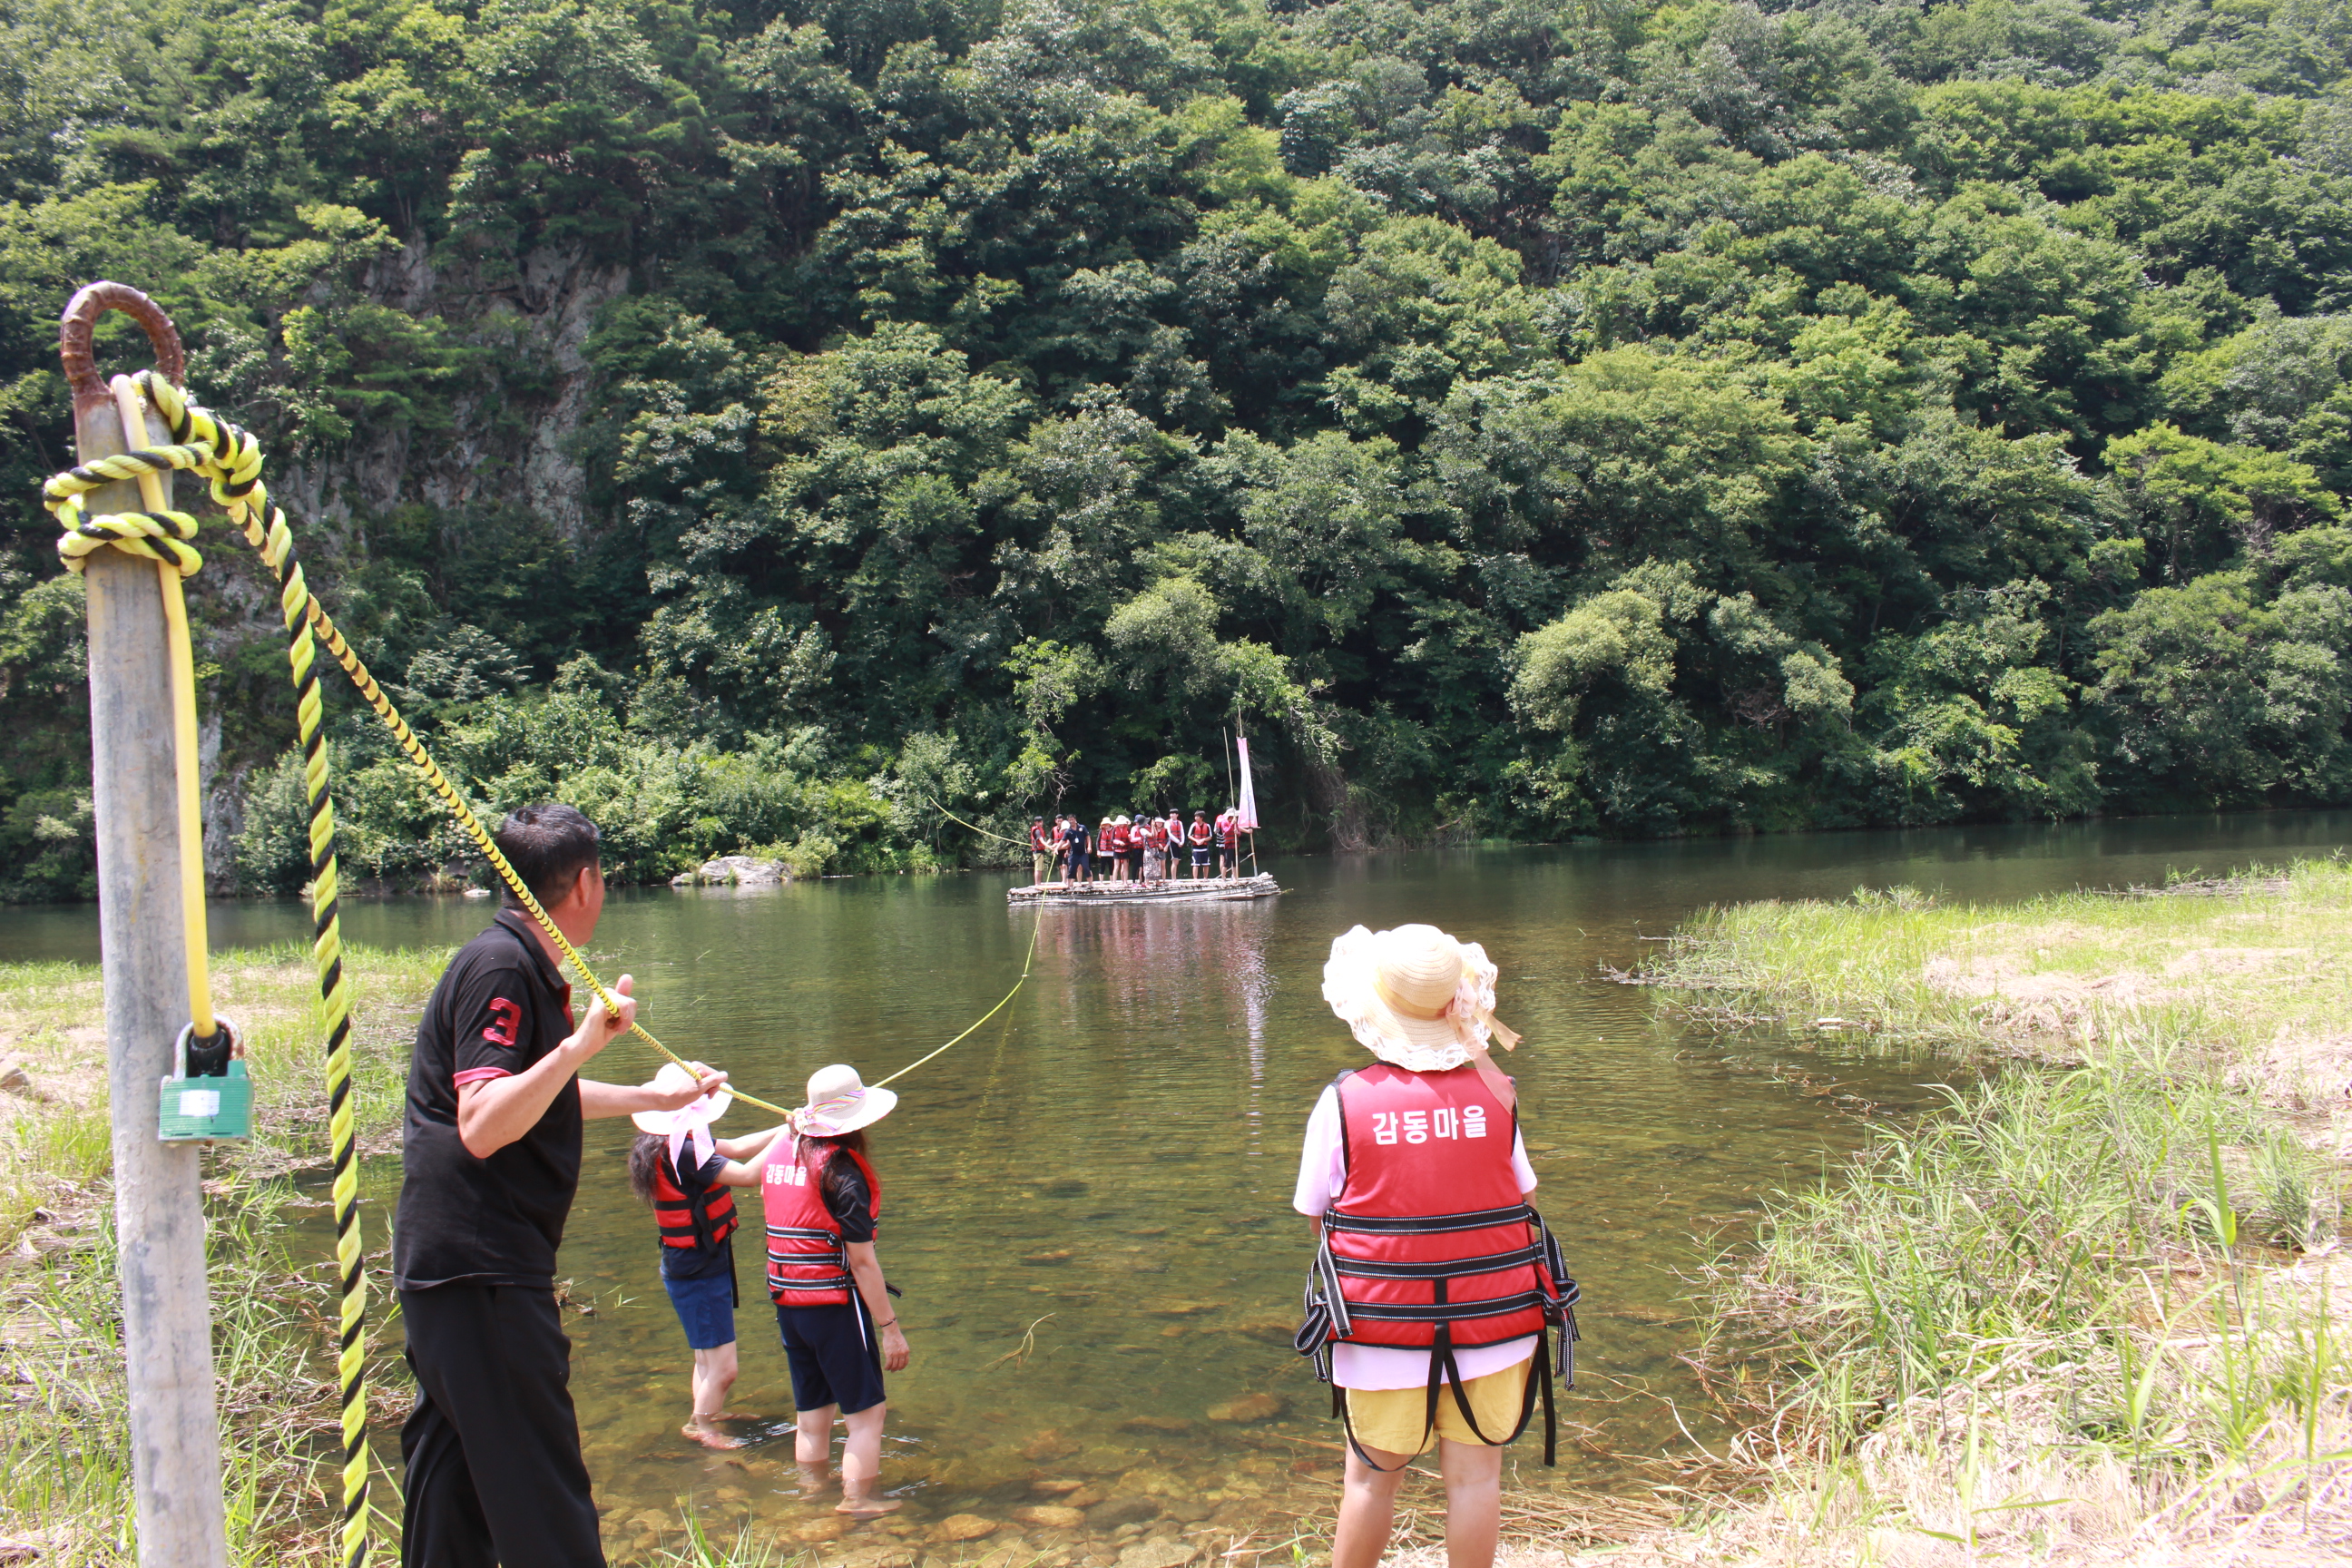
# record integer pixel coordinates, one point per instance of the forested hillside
(1532, 419)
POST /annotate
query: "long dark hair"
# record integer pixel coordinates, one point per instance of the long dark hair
(646, 1155)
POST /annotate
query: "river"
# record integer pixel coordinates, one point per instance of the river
(1087, 1200)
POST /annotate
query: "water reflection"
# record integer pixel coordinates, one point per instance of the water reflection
(1087, 1200)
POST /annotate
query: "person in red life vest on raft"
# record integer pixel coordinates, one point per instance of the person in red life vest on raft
(1433, 1281)
(490, 1160)
(676, 1168)
(822, 1203)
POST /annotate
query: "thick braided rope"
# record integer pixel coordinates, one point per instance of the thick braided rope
(231, 461)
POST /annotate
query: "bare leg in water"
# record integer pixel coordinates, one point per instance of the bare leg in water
(1474, 1505)
(714, 1375)
(861, 1457)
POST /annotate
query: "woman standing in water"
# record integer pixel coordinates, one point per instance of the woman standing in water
(680, 1171)
(824, 1204)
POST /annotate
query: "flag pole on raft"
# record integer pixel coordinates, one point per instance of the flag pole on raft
(1248, 801)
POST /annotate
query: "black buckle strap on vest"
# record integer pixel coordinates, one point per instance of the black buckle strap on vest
(1458, 1268)
(1560, 1312)
(1426, 1225)
(1442, 1312)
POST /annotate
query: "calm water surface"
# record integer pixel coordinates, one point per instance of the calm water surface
(1088, 1201)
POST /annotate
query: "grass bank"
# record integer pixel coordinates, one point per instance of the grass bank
(65, 1481)
(2093, 1310)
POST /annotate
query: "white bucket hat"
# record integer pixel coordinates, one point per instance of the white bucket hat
(689, 1123)
(1415, 996)
(840, 1102)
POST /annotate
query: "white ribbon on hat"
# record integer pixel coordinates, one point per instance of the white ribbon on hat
(697, 1133)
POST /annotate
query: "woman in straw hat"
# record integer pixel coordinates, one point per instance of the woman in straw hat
(1433, 1280)
(685, 1176)
(822, 1203)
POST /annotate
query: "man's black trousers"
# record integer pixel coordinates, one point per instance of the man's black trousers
(495, 1476)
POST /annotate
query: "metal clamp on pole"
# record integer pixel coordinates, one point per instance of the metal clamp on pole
(208, 1097)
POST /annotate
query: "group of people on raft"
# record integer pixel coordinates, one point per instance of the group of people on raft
(1139, 848)
(1434, 1290)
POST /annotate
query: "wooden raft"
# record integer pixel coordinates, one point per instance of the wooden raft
(1211, 891)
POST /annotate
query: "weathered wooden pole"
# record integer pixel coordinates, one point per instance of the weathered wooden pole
(158, 1199)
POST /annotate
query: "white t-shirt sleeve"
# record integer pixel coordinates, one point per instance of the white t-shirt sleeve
(1322, 1163)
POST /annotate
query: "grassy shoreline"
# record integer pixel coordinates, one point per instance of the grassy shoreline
(2090, 1310)
(64, 1460)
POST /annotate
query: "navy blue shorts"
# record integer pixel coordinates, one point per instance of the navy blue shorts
(834, 1356)
(705, 1307)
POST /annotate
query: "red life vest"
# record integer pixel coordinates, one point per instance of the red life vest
(686, 1222)
(1156, 837)
(1430, 1229)
(808, 1264)
(1199, 833)
(1038, 843)
(1228, 830)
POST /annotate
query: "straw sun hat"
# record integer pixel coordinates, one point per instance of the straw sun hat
(840, 1102)
(1415, 996)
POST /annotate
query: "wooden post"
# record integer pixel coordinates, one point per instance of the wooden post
(158, 1199)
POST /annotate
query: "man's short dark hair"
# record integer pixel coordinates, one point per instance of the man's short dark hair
(549, 844)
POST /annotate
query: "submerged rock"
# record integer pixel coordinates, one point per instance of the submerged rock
(1248, 1407)
(964, 1527)
(1159, 1554)
(1050, 1516)
(1121, 1510)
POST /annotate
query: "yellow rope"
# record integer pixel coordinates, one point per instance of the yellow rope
(228, 459)
(984, 1017)
(984, 833)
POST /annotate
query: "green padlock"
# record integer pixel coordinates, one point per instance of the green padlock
(209, 1106)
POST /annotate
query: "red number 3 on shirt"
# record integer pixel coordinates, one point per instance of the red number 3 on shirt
(506, 1018)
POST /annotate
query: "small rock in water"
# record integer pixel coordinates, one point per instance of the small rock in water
(1057, 1488)
(1157, 1424)
(1248, 1407)
(1121, 1510)
(1050, 1516)
(1086, 1499)
(1181, 1309)
(1048, 1445)
(964, 1527)
(1159, 1554)
(810, 1531)
(1159, 1483)
(1189, 1510)
(1039, 1259)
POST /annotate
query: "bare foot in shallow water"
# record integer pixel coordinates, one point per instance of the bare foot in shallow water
(706, 1430)
(867, 1507)
(815, 1480)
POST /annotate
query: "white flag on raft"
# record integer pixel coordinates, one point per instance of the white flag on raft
(1249, 789)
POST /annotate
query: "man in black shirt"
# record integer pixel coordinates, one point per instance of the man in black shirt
(491, 1157)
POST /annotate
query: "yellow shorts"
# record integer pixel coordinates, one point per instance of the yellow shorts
(1395, 1419)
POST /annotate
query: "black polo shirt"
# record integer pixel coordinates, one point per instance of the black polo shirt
(500, 1006)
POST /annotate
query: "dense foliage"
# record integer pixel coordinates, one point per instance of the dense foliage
(1531, 419)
